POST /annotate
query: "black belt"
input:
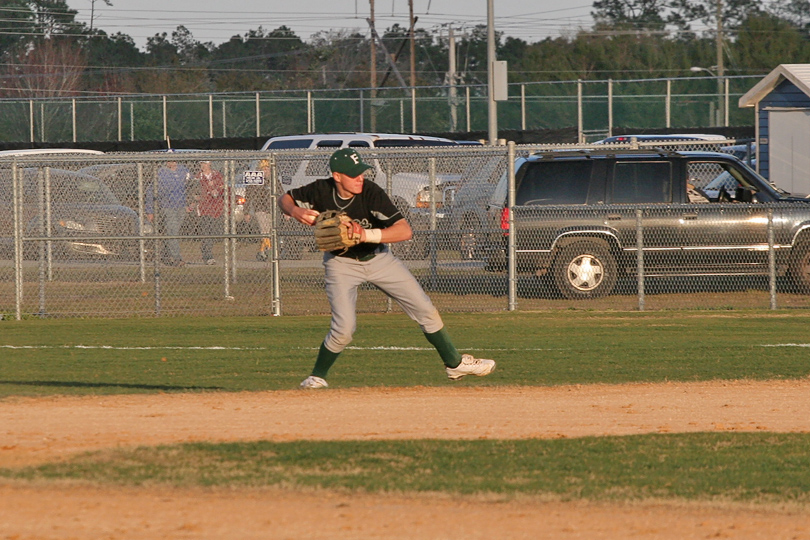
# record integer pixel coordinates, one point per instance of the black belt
(363, 258)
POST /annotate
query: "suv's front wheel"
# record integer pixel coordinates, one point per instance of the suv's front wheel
(585, 270)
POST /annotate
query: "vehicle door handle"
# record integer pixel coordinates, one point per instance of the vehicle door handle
(690, 216)
(614, 217)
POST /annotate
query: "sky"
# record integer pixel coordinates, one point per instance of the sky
(217, 20)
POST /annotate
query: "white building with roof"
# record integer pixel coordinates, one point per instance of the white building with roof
(782, 101)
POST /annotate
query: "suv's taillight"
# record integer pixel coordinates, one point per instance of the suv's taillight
(505, 220)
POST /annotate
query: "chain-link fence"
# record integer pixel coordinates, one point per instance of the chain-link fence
(121, 235)
(594, 106)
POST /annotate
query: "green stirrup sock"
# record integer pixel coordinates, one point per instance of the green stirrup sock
(441, 340)
(325, 360)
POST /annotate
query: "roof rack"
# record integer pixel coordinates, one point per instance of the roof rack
(605, 152)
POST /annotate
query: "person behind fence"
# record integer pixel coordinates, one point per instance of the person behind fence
(259, 203)
(171, 206)
(378, 222)
(210, 208)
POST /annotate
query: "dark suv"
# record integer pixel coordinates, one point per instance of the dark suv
(578, 215)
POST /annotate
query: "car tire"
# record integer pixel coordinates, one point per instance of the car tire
(800, 267)
(584, 270)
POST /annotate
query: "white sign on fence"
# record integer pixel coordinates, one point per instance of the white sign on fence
(254, 178)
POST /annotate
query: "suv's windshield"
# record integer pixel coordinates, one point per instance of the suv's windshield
(719, 181)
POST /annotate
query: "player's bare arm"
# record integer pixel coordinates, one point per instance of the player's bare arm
(303, 215)
(398, 232)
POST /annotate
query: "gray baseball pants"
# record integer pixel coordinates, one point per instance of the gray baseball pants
(391, 276)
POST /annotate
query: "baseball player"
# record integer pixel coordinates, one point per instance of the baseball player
(361, 255)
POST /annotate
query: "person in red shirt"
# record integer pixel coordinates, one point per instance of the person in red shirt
(210, 208)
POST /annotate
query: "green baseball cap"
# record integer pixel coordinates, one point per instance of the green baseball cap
(347, 161)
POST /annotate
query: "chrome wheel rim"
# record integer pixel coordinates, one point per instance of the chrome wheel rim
(585, 273)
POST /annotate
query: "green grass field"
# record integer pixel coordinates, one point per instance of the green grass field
(74, 356)
(97, 356)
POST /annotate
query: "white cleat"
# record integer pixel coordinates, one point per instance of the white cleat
(313, 382)
(470, 366)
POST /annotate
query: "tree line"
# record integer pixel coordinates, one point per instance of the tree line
(47, 52)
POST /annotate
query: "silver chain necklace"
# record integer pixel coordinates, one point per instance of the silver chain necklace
(345, 206)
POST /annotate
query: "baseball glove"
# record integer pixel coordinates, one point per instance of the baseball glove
(336, 230)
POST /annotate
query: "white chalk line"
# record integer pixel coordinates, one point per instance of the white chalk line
(353, 348)
(217, 348)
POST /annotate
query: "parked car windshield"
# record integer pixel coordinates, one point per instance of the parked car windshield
(71, 188)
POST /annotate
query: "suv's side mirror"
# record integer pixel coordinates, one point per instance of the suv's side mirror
(744, 194)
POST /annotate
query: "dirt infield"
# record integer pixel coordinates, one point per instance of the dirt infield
(36, 430)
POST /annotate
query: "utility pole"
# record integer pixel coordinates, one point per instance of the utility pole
(451, 78)
(413, 68)
(492, 106)
(720, 67)
(373, 70)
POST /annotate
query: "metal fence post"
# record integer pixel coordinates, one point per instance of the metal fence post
(230, 180)
(210, 116)
(120, 120)
(141, 225)
(16, 191)
(389, 188)
(165, 120)
(511, 263)
(640, 259)
(310, 128)
(48, 223)
(258, 117)
(668, 104)
(413, 110)
(275, 267)
(73, 117)
(224, 121)
(523, 107)
(580, 121)
(610, 107)
(40, 243)
(771, 260)
(227, 221)
(31, 118)
(468, 109)
(432, 244)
